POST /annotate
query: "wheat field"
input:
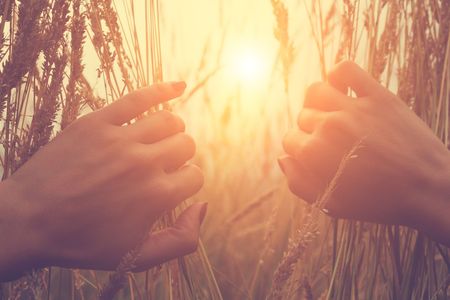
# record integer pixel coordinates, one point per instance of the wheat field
(247, 65)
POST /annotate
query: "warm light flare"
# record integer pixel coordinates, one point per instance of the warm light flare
(249, 65)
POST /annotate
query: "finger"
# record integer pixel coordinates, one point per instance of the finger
(173, 152)
(294, 141)
(315, 154)
(139, 101)
(179, 240)
(302, 182)
(347, 74)
(186, 182)
(322, 96)
(155, 127)
(310, 119)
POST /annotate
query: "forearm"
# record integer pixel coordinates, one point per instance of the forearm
(16, 242)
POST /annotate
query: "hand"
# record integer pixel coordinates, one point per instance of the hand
(89, 196)
(396, 177)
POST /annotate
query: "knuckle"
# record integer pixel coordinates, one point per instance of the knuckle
(344, 67)
(331, 122)
(364, 106)
(187, 142)
(309, 120)
(313, 93)
(84, 123)
(136, 97)
(111, 136)
(163, 188)
(164, 114)
(132, 156)
(90, 129)
(305, 151)
(159, 88)
(86, 119)
(172, 120)
(362, 112)
(160, 188)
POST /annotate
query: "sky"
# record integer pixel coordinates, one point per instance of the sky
(236, 37)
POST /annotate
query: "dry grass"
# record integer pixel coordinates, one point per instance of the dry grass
(260, 241)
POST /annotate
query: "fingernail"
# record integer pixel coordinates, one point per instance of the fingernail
(203, 211)
(281, 164)
(179, 86)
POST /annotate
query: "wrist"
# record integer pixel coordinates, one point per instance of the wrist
(433, 214)
(18, 251)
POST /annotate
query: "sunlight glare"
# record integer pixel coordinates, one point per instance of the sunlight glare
(249, 65)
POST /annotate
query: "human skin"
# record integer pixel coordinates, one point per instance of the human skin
(91, 195)
(400, 174)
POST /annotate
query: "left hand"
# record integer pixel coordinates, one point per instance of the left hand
(89, 196)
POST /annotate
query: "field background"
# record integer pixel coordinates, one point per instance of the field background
(247, 65)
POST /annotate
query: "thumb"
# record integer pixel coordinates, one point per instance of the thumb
(347, 75)
(178, 240)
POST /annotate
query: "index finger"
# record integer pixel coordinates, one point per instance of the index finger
(139, 101)
(347, 74)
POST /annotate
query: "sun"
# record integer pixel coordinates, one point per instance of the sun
(249, 65)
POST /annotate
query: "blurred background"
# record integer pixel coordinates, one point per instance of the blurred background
(247, 65)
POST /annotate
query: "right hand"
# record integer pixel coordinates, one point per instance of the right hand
(400, 175)
(88, 197)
